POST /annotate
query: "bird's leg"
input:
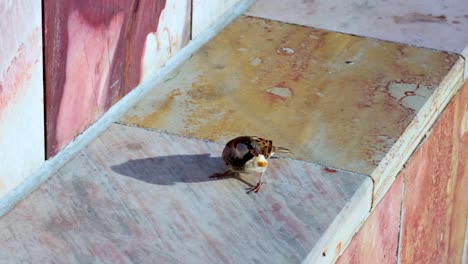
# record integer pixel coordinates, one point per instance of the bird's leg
(243, 181)
(222, 175)
(258, 186)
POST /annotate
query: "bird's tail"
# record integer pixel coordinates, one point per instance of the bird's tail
(281, 150)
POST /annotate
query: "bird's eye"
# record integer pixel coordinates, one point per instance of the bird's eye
(254, 152)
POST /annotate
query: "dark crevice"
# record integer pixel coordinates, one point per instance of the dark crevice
(401, 219)
(44, 80)
(372, 194)
(191, 19)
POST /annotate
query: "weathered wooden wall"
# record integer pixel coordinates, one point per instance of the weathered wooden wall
(97, 51)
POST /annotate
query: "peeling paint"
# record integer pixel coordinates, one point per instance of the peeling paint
(97, 53)
(282, 92)
(285, 50)
(255, 61)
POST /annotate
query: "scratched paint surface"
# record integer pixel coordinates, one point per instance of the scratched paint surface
(97, 51)
(433, 24)
(335, 99)
(21, 92)
(135, 195)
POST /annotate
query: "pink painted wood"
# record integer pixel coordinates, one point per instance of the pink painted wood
(97, 51)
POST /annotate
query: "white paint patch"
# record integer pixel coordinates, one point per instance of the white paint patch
(410, 95)
(168, 38)
(286, 50)
(280, 91)
(22, 128)
(464, 121)
(256, 62)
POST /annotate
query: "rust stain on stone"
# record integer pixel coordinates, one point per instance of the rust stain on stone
(338, 248)
(310, 101)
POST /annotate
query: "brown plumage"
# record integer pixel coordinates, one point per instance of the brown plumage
(248, 154)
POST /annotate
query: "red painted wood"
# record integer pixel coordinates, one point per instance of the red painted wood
(93, 57)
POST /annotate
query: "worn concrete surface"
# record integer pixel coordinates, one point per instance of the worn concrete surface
(135, 195)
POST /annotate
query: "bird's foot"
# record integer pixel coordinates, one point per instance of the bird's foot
(256, 188)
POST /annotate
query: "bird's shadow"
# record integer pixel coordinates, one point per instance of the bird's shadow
(167, 170)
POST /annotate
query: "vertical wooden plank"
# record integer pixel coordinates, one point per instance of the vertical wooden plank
(21, 92)
(97, 51)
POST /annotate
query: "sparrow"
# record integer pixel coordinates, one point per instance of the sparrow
(248, 154)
